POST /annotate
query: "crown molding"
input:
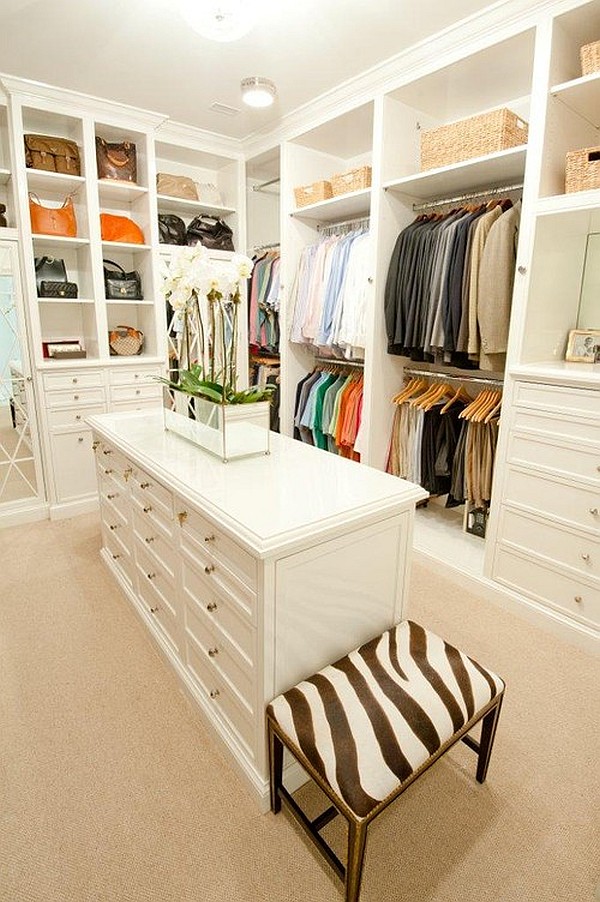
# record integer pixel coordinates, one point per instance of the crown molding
(199, 139)
(77, 104)
(504, 19)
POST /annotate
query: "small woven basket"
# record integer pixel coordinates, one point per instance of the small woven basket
(312, 194)
(590, 58)
(475, 137)
(582, 170)
(354, 180)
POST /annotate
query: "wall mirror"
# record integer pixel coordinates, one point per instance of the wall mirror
(589, 304)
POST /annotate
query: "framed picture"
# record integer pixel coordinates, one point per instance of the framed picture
(583, 346)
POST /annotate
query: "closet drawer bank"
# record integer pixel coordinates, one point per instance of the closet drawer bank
(549, 527)
(250, 575)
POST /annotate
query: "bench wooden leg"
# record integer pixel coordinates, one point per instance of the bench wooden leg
(488, 733)
(275, 769)
(357, 840)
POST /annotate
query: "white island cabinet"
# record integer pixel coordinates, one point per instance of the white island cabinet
(252, 574)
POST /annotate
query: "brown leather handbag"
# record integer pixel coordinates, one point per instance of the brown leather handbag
(116, 161)
(52, 154)
(120, 228)
(52, 220)
(176, 186)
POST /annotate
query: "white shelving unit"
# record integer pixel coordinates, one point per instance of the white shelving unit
(335, 209)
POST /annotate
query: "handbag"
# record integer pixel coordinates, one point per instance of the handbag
(171, 229)
(210, 232)
(121, 285)
(125, 341)
(116, 161)
(52, 154)
(51, 279)
(52, 220)
(3, 220)
(176, 186)
(120, 228)
(57, 289)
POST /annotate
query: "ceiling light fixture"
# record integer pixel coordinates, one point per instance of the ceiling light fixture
(258, 92)
(219, 20)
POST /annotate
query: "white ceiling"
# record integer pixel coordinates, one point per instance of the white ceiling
(141, 52)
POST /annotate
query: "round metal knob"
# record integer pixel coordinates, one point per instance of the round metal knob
(210, 538)
(78, 417)
(144, 485)
(107, 451)
(76, 397)
(115, 557)
(115, 526)
(212, 652)
(214, 693)
(112, 495)
(578, 599)
(211, 606)
(151, 575)
(95, 445)
(522, 270)
(137, 391)
(585, 557)
(154, 610)
(136, 375)
(594, 511)
(209, 568)
(149, 539)
(147, 509)
(80, 439)
(75, 380)
(108, 472)
(182, 517)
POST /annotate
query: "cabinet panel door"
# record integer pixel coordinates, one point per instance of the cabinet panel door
(74, 464)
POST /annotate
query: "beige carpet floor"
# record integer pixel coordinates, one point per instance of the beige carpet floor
(113, 790)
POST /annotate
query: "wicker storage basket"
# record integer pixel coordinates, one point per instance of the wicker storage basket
(582, 171)
(311, 194)
(474, 137)
(354, 180)
(590, 58)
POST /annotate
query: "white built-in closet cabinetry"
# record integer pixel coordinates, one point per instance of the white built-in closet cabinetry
(69, 391)
(541, 551)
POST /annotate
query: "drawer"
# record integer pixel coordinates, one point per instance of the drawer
(578, 461)
(199, 534)
(114, 497)
(115, 524)
(157, 591)
(75, 398)
(225, 618)
(568, 401)
(549, 497)
(111, 462)
(136, 392)
(140, 404)
(203, 574)
(558, 426)
(72, 381)
(221, 698)
(578, 551)
(155, 543)
(549, 586)
(73, 464)
(152, 516)
(119, 555)
(72, 417)
(133, 376)
(146, 490)
(232, 668)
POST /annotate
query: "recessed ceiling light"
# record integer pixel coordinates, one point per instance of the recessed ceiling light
(219, 20)
(258, 92)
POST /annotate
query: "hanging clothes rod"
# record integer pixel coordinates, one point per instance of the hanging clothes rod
(338, 361)
(460, 198)
(266, 247)
(440, 374)
(332, 226)
(266, 184)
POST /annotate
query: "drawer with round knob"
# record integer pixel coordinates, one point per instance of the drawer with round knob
(199, 535)
(561, 427)
(566, 401)
(550, 586)
(133, 376)
(147, 491)
(75, 397)
(578, 460)
(73, 380)
(72, 417)
(152, 513)
(203, 573)
(113, 497)
(553, 497)
(155, 542)
(578, 550)
(111, 463)
(221, 700)
(133, 392)
(117, 553)
(158, 594)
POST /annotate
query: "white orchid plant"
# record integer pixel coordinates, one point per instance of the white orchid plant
(205, 295)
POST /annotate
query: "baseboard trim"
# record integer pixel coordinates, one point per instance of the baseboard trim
(67, 509)
(22, 513)
(547, 619)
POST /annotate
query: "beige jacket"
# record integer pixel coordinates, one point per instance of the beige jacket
(496, 279)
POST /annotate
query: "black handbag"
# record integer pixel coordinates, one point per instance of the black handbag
(49, 269)
(210, 232)
(3, 221)
(171, 229)
(120, 285)
(49, 289)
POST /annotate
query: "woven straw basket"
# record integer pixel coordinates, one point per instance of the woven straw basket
(311, 194)
(590, 58)
(474, 137)
(582, 171)
(354, 180)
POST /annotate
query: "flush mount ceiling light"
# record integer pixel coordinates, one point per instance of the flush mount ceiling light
(258, 92)
(219, 20)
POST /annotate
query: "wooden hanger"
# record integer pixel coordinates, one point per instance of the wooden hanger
(414, 384)
(459, 395)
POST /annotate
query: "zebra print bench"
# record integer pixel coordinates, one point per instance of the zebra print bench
(367, 726)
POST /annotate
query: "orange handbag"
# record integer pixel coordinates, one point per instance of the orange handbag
(52, 220)
(120, 228)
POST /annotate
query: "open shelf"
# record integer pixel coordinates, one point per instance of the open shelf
(493, 170)
(355, 203)
(60, 240)
(124, 246)
(8, 233)
(128, 302)
(582, 95)
(167, 204)
(111, 189)
(573, 202)
(40, 180)
(65, 300)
